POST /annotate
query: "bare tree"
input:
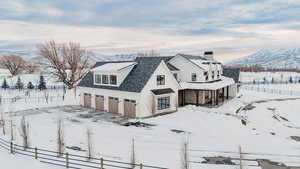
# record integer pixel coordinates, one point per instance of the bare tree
(13, 63)
(67, 62)
(24, 132)
(60, 137)
(132, 157)
(89, 144)
(185, 154)
(31, 68)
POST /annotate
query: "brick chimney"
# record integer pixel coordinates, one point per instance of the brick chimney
(209, 55)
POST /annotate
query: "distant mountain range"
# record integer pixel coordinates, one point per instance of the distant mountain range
(271, 58)
(33, 57)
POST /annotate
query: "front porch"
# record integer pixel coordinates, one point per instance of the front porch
(207, 94)
(208, 98)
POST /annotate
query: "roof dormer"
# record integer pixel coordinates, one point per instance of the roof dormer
(112, 74)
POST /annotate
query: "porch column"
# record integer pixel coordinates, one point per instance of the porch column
(227, 92)
(217, 97)
(197, 97)
(211, 97)
(223, 97)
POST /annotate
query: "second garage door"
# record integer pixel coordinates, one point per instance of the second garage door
(129, 108)
(113, 105)
(99, 103)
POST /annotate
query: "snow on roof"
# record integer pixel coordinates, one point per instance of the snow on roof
(205, 64)
(112, 67)
(225, 81)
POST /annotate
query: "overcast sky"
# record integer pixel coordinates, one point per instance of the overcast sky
(231, 28)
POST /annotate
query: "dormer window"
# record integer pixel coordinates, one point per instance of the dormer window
(160, 80)
(97, 78)
(194, 77)
(213, 75)
(104, 79)
(113, 79)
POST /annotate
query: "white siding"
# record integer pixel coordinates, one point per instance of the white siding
(186, 69)
(148, 102)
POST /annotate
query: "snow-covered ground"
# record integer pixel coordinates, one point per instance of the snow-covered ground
(211, 132)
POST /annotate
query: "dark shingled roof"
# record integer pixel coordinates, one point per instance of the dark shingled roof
(232, 73)
(192, 56)
(172, 68)
(162, 91)
(135, 80)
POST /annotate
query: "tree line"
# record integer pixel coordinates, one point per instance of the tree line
(67, 62)
(20, 85)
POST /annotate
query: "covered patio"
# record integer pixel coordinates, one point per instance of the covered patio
(207, 94)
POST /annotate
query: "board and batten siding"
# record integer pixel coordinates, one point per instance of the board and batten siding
(148, 102)
(186, 68)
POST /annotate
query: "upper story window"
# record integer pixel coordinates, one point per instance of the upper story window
(105, 79)
(194, 77)
(113, 79)
(97, 78)
(213, 75)
(218, 75)
(160, 80)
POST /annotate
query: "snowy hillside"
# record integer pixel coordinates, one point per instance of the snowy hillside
(271, 58)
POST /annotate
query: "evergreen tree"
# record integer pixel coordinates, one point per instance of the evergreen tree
(30, 85)
(291, 80)
(272, 81)
(4, 84)
(42, 83)
(19, 84)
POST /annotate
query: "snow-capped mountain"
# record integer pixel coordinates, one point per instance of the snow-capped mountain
(271, 58)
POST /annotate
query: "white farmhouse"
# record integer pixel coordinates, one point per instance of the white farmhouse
(150, 86)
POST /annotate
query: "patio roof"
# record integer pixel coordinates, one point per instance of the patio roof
(225, 81)
(162, 91)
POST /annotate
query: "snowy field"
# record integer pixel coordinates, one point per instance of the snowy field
(271, 120)
(211, 132)
(249, 77)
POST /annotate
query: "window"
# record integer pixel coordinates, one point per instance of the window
(218, 75)
(97, 78)
(194, 77)
(206, 75)
(160, 80)
(175, 75)
(104, 79)
(163, 103)
(213, 75)
(113, 79)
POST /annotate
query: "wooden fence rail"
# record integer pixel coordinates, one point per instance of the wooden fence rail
(69, 160)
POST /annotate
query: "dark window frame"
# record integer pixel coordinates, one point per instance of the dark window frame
(194, 77)
(97, 79)
(115, 80)
(163, 103)
(105, 77)
(160, 80)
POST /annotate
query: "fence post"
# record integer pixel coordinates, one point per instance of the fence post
(101, 163)
(36, 153)
(11, 148)
(141, 166)
(67, 160)
(241, 157)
